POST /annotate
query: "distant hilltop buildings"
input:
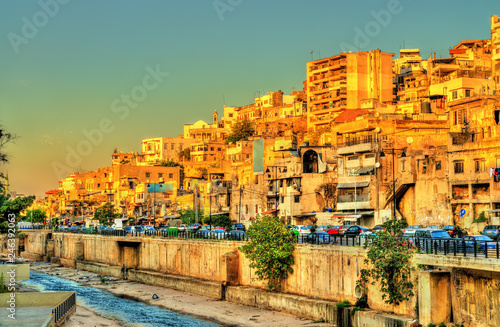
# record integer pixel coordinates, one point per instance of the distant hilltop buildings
(368, 138)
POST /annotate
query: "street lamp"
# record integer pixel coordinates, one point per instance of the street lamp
(276, 189)
(403, 155)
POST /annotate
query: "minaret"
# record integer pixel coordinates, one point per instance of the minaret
(215, 120)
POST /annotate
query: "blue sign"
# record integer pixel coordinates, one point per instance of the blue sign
(159, 188)
(461, 213)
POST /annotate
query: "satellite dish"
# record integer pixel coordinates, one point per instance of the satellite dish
(377, 165)
(409, 139)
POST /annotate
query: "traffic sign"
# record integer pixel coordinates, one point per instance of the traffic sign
(461, 213)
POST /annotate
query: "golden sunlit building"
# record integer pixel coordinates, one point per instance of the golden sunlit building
(347, 81)
(495, 49)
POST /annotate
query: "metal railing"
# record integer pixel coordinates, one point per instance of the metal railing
(431, 246)
(64, 307)
(458, 247)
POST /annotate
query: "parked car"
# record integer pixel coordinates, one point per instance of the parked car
(431, 233)
(411, 229)
(455, 231)
(237, 235)
(300, 229)
(182, 227)
(138, 230)
(238, 227)
(207, 227)
(334, 230)
(128, 229)
(343, 228)
(218, 234)
(202, 233)
(324, 228)
(434, 227)
(356, 230)
(378, 228)
(317, 238)
(193, 227)
(149, 229)
(492, 231)
(480, 241)
(312, 227)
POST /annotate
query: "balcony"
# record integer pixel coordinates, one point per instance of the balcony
(348, 202)
(363, 144)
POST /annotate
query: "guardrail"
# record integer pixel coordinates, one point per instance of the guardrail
(60, 311)
(434, 246)
(458, 247)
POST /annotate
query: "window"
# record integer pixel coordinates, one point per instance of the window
(353, 158)
(246, 209)
(105, 174)
(480, 165)
(403, 166)
(458, 167)
(282, 199)
(296, 198)
(148, 174)
(256, 208)
(467, 93)
(172, 146)
(454, 95)
(230, 115)
(438, 165)
(180, 146)
(170, 175)
(160, 175)
(149, 147)
(165, 146)
(211, 148)
(370, 155)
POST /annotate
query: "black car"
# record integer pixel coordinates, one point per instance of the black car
(455, 231)
(356, 230)
(238, 227)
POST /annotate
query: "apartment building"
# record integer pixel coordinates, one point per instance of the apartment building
(155, 150)
(347, 81)
(495, 49)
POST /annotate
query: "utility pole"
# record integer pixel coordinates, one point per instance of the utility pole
(239, 207)
(195, 204)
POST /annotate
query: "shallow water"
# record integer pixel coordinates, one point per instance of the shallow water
(128, 312)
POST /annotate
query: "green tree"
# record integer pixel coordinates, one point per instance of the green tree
(106, 214)
(219, 220)
(389, 262)
(169, 163)
(188, 216)
(4, 158)
(241, 130)
(185, 154)
(14, 207)
(270, 250)
(36, 216)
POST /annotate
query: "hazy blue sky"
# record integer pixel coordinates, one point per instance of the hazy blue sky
(65, 65)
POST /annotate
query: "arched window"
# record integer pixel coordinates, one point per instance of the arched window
(310, 162)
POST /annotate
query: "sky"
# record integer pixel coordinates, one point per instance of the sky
(81, 78)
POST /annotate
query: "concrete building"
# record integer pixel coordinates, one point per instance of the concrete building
(343, 81)
(495, 49)
(155, 150)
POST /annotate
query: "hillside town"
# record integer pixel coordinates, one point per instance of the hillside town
(371, 136)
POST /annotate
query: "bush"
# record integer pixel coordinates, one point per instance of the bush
(270, 250)
(344, 304)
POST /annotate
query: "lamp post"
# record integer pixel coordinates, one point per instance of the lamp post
(403, 155)
(276, 189)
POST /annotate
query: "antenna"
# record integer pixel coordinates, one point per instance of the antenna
(312, 55)
(223, 99)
